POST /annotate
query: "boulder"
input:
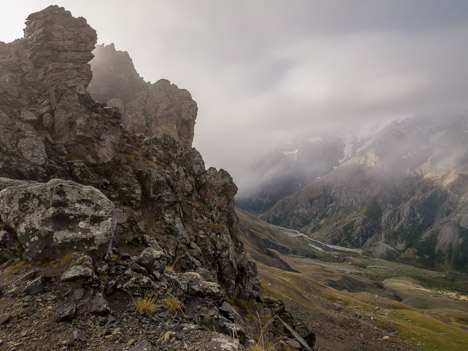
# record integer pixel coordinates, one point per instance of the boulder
(193, 284)
(66, 313)
(35, 286)
(30, 275)
(33, 150)
(98, 304)
(54, 218)
(229, 311)
(8, 246)
(298, 340)
(4, 319)
(76, 272)
(136, 284)
(153, 260)
(27, 115)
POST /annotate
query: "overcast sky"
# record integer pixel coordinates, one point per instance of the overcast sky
(263, 71)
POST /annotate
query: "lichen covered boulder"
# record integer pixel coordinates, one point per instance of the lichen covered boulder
(61, 216)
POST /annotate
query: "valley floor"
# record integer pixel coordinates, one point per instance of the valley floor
(367, 304)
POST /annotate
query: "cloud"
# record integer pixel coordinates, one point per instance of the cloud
(270, 70)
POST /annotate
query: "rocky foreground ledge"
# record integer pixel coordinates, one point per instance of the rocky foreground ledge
(112, 239)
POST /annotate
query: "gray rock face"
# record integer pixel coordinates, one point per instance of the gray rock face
(50, 127)
(4, 318)
(27, 115)
(76, 272)
(78, 335)
(7, 246)
(43, 81)
(298, 340)
(152, 259)
(29, 275)
(99, 305)
(220, 342)
(227, 309)
(67, 313)
(55, 39)
(193, 284)
(57, 217)
(149, 109)
(33, 150)
(35, 286)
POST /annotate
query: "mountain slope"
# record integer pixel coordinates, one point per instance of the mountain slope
(287, 169)
(404, 195)
(353, 302)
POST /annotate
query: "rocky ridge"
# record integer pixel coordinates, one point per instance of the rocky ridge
(104, 209)
(146, 108)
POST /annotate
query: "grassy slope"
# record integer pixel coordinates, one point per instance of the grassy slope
(265, 231)
(433, 313)
(441, 328)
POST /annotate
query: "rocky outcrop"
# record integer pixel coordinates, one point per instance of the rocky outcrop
(110, 228)
(59, 48)
(55, 218)
(149, 109)
(44, 106)
(161, 190)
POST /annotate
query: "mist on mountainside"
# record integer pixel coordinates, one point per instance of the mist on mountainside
(421, 144)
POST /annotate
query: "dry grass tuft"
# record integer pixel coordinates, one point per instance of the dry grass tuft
(153, 165)
(14, 268)
(265, 347)
(256, 347)
(145, 304)
(167, 336)
(172, 305)
(263, 343)
(66, 259)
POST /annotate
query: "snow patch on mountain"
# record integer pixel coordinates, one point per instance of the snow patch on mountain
(293, 154)
(315, 140)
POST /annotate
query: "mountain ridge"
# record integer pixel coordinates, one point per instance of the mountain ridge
(402, 195)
